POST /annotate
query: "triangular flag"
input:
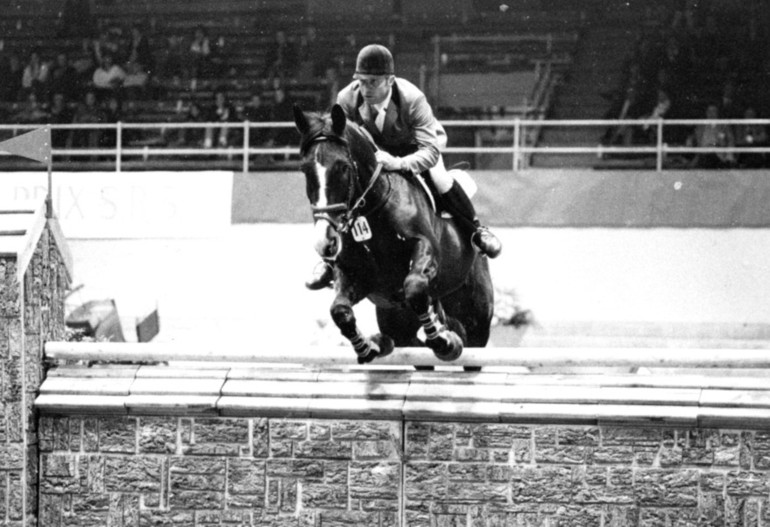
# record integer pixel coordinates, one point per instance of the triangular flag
(33, 145)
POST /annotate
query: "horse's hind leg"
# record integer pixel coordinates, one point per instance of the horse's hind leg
(446, 344)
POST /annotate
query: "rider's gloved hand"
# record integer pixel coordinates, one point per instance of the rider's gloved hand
(388, 161)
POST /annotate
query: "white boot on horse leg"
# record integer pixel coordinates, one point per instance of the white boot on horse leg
(445, 343)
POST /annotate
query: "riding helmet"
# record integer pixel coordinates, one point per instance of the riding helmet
(374, 59)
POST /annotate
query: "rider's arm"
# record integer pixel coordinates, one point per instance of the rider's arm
(428, 134)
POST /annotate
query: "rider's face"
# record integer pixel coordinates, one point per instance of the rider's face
(375, 88)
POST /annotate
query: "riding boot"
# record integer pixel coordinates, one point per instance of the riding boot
(459, 205)
(322, 279)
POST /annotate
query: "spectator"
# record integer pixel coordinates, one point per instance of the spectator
(222, 112)
(32, 111)
(108, 78)
(135, 82)
(107, 44)
(282, 110)
(748, 135)
(88, 111)
(11, 74)
(171, 58)
(257, 112)
(281, 58)
(36, 76)
(140, 53)
(332, 86)
(712, 135)
(200, 54)
(64, 77)
(84, 62)
(310, 54)
(113, 113)
(194, 137)
(60, 113)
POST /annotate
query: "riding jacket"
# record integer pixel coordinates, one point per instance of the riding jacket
(410, 130)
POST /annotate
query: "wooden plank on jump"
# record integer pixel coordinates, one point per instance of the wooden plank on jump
(595, 414)
(109, 371)
(171, 404)
(99, 386)
(239, 406)
(738, 418)
(736, 398)
(61, 404)
(336, 356)
(330, 408)
(485, 411)
(170, 386)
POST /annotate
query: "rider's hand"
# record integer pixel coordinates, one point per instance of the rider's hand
(388, 161)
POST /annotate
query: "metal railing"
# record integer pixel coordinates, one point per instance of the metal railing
(520, 145)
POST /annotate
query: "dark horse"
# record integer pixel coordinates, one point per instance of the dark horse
(387, 244)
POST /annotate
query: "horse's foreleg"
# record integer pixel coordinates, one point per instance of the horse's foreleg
(342, 313)
(446, 344)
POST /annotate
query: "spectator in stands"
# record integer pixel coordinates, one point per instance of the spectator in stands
(107, 44)
(397, 115)
(11, 74)
(282, 110)
(113, 113)
(193, 136)
(88, 111)
(64, 77)
(172, 58)
(36, 76)
(84, 62)
(331, 82)
(281, 57)
(712, 135)
(108, 78)
(32, 111)
(200, 55)
(257, 112)
(222, 112)
(751, 135)
(135, 82)
(310, 54)
(60, 113)
(140, 53)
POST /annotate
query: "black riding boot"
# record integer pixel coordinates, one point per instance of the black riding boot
(322, 278)
(459, 205)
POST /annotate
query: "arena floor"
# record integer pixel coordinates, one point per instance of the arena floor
(246, 286)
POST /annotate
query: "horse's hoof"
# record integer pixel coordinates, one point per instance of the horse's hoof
(384, 343)
(447, 346)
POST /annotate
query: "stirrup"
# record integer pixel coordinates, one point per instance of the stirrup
(321, 280)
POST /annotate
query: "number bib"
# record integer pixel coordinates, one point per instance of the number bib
(361, 230)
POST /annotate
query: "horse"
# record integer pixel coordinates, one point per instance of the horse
(386, 243)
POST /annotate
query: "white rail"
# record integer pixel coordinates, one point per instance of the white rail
(518, 149)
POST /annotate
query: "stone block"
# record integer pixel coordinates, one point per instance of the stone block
(132, 474)
(425, 481)
(306, 469)
(371, 481)
(335, 471)
(666, 488)
(214, 466)
(15, 496)
(195, 500)
(712, 481)
(90, 503)
(288, 429)
(542, 484)
(172, 518)
(747, 483)
(324, 496)
(467, 472)
(157, 435)
(638, 437)
(246, 477)
(320, 431)
(260, 440)
(223, 431)
(499, 435)
(117, 435)
(336, 518)
(124, 510)
(323, 449)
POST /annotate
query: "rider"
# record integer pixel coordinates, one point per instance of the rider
(401, 122)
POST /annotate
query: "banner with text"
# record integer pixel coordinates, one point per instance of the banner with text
(130, 204)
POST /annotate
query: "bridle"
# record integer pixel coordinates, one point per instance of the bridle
(342, 215)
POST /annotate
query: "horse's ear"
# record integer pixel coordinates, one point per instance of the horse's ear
(300, 120)
(338, 119)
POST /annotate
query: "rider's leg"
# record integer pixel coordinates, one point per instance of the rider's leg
(460, 206)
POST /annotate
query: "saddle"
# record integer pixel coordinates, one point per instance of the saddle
(459, 173)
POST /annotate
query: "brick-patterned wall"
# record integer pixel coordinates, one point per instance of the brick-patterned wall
(279, 472)
(30, 313)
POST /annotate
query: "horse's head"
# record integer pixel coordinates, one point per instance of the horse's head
(334, 156)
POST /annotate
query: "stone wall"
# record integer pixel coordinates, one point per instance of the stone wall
(130, 471)
(30, 313)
